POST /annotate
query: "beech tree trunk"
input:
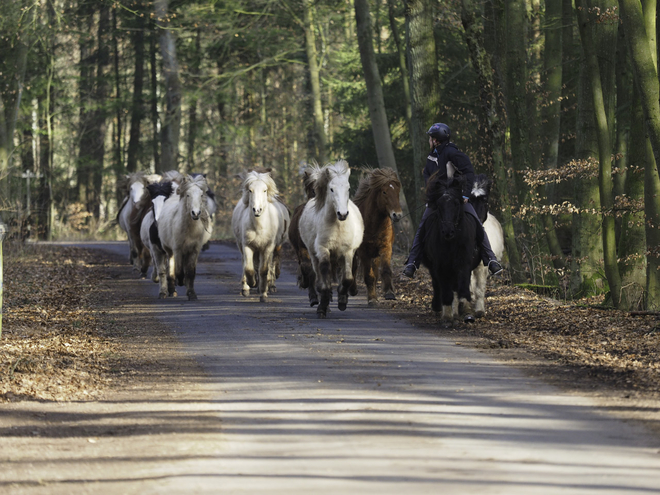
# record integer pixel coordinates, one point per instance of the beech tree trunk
(171, 125)
(424, 90)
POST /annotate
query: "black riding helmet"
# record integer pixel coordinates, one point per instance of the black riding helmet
(439, 131)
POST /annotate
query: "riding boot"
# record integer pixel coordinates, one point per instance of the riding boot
(416, 249)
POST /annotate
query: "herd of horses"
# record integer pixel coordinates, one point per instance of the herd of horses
(169, 218)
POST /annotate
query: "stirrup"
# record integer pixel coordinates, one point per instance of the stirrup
(494, 267)
(409, 270)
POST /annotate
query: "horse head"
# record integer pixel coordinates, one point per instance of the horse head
(193, 191)
(479, 196)
(332, 188)
(446, 197)
(258, 190)
(388, 194)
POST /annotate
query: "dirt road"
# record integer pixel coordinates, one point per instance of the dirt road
(280, 402)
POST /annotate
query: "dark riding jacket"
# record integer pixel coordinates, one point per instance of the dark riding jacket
(448, 152)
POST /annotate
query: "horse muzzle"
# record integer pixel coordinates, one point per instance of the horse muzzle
(342, 216)
(396, 216)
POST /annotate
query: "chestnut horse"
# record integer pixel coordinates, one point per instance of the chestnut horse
(377, 197)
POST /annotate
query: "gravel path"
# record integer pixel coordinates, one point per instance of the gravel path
(281, 402)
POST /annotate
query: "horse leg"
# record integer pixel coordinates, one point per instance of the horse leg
(464, 299)
(347, 281)
(179, 273)
(171, 267)
(369, 267)
(386, 274)
(353, 290)
(145, 261)
(311, 284)
(322, 310)
(437, 292)
(478, 290)
(447, 298)
(189, 270)
(248, 271)
(265, 262)
(160, 267)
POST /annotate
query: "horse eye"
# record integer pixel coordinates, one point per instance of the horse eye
(332, 190)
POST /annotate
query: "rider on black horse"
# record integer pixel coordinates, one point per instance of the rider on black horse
(444, 151)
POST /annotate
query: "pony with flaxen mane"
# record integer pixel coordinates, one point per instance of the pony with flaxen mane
(184, 226)
(331, 227)
(377, 197)
(260, 222)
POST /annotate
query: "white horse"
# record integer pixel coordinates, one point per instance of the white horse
(260, 223)
(159, 193)
(129, 218)
(493, 228)
(331, 227)
(184, 226)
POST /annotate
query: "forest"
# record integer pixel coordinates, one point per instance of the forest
(557, 101)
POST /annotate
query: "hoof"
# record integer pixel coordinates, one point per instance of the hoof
(173, 294)
(192, 297)
(263, 298)
(320, 313)
(479, 314)
(313, 302)
(162, 295)
(469, 319)
(352, 291)
(245, 292)
(390, 296)
(342, 305)
(373, 303)
(272, 290)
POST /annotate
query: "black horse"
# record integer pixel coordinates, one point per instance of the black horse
(450, 249)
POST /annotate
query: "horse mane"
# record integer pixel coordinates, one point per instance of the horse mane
(437, 187)
(322, 177)
(481, 186)
(189, 181)
(173, 176)
(253, 176)
(308, 183)
(160, 189)
(374, 179)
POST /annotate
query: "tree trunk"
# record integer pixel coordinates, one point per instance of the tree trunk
(493, 126)
(11, 93)
(586, 249)
(424, 90)
(119, 108)
(315, 81)
(401, 52)
(552, 63)
(646, 74)
(137, 106)
(86, 98)
(632, 241)
(155, 148)
(192, 109)
(604, 154)
(171, 125)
